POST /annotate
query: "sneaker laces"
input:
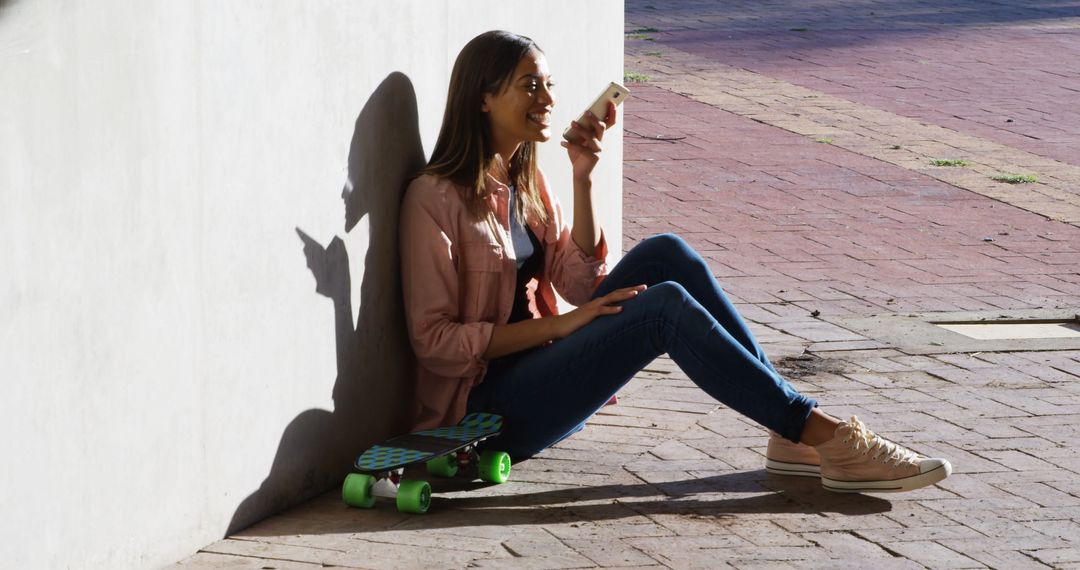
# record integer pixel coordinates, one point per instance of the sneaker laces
(872, 442)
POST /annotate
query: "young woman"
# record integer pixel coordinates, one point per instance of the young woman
(484, 247)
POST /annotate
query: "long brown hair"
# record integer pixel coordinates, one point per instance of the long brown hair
(464, 152)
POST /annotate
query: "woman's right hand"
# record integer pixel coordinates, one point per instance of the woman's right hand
(584, 149)
(567, 323)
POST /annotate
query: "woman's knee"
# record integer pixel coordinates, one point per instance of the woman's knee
(673, 252)
(667, 244)
(664, 296)
(660, 308)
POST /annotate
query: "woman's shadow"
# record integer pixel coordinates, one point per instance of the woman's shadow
(375, 364)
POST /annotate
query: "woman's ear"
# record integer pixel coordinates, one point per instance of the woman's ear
(484, 107)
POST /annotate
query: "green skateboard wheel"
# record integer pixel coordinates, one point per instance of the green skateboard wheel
(445, 466)
(495, 466)
(356, 491)
(413, 497)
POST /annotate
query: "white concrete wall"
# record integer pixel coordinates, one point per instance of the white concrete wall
(171, 192)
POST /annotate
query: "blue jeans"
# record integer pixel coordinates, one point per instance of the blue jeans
(545, 394)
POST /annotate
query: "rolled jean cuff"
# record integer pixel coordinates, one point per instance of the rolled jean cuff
(793, 424)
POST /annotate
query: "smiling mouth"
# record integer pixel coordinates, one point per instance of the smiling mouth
(540, 119)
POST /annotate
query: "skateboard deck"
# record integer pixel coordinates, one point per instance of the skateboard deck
(405, 450)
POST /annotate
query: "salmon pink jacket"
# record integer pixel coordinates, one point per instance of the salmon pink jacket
(458, 279)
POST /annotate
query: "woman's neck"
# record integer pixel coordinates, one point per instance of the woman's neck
(500, 169)
(505, 149)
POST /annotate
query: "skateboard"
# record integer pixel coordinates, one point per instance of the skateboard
(445, 450)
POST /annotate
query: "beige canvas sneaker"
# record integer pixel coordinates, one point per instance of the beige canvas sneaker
(856, 460)
(783, 457)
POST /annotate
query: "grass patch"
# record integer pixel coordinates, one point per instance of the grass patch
(798, 29)
(644, 31)
(645, 37)
(1016, 178)
(824, 140)
(896, 147)
(949, 162)
(654, 53)
(634, 77)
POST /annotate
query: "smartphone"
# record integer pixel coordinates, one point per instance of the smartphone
(613, 92)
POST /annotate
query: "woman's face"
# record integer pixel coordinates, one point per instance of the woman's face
(522, 112)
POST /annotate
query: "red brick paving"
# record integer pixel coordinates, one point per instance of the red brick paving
(945, 64)
(829, 229)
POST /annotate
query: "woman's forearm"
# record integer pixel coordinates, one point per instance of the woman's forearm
(585, 232)
(514, 337)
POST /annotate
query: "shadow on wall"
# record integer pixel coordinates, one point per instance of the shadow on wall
(375, 364)
(4, 6)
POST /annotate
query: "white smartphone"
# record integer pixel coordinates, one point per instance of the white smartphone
(613, 92)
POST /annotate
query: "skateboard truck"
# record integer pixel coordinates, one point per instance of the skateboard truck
(387, 486)
(466, 456)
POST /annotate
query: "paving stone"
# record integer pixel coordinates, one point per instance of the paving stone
(857, 563)
(1017, 460)
(1005, 528)
(921, 534)
(208, 560)
(1043, 495)
(1056, 556)
(1006, 559)
(362, 554)
(910, 514)
(619, 435)
(677, 450)
(821, 523)
(607, 523)
(692, 551)
(972, 486)
(654, 469)
(536, 548)
(767, 565)
(821, 332)
(766, 533)
(847, 545)
(932, 554)
(611, 553)
(1064, 529)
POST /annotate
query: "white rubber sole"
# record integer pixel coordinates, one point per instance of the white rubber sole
(894, 486)
(796, 469)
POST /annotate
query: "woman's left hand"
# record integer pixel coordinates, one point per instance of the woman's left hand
(584, 151)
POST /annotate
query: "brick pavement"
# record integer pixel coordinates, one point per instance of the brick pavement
(831, 230)
(941, 63)
(797, 231)
(911, 143)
